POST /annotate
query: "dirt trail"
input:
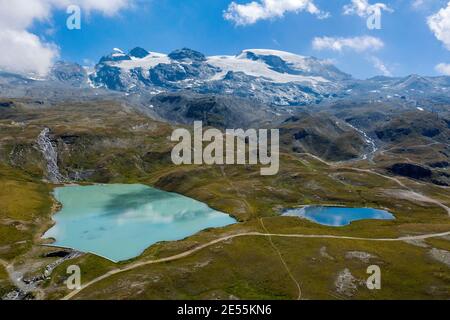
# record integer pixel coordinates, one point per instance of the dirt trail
(4, 263)
(248, 234)
(283, 261)
(409, 193)
(384, 151)
(414, 196)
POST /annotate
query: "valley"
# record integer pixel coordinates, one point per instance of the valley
(356, 151)
(109, 143)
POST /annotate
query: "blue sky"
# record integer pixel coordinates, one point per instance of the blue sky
(164, 25)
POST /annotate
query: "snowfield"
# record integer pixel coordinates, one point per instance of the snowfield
(238, 63)
(257, 69)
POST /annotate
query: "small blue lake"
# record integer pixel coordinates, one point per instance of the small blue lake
(338, 216)
(119, 221)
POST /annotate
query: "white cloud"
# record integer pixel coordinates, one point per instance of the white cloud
(443, 68)
(439, 23)
(106, 7)
(380, 66)
(416, 4)
(252, 12)
(25, 52)
(358, 44)
(364, 9)
(426, 4)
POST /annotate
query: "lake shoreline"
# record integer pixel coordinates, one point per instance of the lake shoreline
(96, 219)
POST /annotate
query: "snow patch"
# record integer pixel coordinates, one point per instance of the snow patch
(149, 62)
(256, 69)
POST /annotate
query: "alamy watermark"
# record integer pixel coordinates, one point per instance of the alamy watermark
(73, 21)
(234, 146)
(73, 282)
(374, 19)
(374, 281)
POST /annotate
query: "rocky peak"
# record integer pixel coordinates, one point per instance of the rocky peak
(116, 56)
(139, 52)
(71, 73)
(186, 54)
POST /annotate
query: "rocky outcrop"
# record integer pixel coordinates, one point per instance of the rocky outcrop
(346, 284)
(70, 73)
(324, 136)
(441, 256)
(414, 128)
(217, 111)
(417, 172)
(27, 286)
(440, 164)
(50, 155)
(359, 255)
(139, 53)
(411, 171)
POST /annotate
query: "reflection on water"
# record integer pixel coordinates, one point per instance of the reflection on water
(338, 216)
(120, 221)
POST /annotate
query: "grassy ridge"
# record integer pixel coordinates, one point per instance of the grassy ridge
(250, 269)
(25, 211)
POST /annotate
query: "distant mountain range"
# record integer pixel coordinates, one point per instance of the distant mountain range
(274, 78)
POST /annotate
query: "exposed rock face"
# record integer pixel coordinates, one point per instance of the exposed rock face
(139, 53)
(440, 164)
(26, 287)
(50, 155)
(70, 73)
(186, 54)
(109, 77)
(393, 134)
(323, 136)
(346, 284)
(414, 128)
(359, 255)
(441, 255)
(217, 111)
(16, 295)
(411, 171)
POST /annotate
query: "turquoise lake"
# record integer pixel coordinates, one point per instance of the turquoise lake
(119, 222)
(338, 216)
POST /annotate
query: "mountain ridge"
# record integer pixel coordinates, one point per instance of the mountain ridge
(266, 76)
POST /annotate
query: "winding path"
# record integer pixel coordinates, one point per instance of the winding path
(413, 195)
(283, 261)
(247, 234)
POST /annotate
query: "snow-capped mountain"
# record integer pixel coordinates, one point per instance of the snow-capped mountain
(269, 76)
